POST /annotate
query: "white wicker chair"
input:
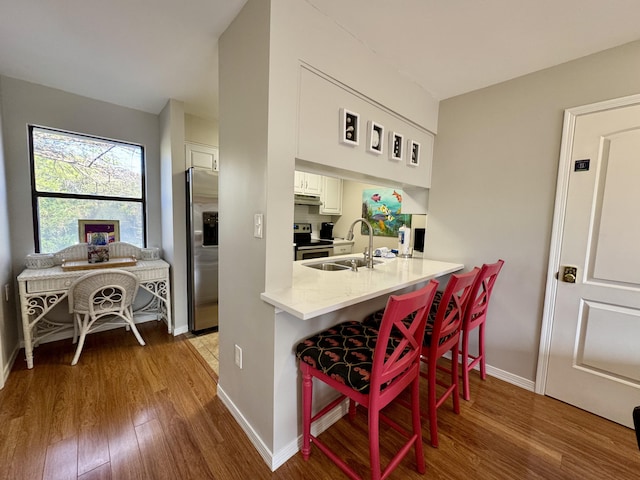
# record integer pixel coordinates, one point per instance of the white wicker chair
(102, 297)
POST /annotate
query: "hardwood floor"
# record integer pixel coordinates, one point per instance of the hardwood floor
(131, 412)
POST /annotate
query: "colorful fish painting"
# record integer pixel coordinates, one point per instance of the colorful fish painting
(383, 208)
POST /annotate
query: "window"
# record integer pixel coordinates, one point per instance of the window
(74, 177)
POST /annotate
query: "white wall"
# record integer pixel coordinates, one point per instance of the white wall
(320, 99)
(494, 179)
(260, 58)
(26, 103)
(8, 323)
(174, 213)
(245, 320)
(200, 130)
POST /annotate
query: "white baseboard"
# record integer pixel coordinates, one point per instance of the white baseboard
(503, 375)
(254, 438)
(180, 330)
(8, 366)
(275, 460)
(317, 428)
(511, 378)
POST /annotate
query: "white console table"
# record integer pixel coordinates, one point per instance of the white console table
(42, 289)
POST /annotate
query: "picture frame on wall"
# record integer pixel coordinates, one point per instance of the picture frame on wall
(413, 154)
(106, 228)
(349, 127)
(375, 137)
(396, 145)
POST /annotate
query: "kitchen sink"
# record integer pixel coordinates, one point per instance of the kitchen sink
(359, 262)
(342, 264)
(327, 266)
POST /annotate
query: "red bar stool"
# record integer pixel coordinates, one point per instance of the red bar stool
(370, 366)
(443, 336)
(475, 317)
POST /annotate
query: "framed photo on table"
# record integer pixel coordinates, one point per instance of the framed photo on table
(109, 227)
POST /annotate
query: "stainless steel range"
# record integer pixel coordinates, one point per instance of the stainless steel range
(306, 247)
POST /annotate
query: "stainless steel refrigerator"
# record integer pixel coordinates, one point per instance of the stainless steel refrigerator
(202, 249)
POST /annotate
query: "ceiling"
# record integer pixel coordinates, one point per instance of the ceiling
(141, 53)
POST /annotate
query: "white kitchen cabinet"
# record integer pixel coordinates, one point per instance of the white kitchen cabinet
(298, 182)
(320, 101)
(331, 196)
(307, 183)
(201, 156)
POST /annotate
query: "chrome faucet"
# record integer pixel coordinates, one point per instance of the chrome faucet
(368, 255)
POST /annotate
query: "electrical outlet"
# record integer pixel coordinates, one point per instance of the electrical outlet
(238, 355)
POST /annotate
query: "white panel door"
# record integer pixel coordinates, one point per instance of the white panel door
(594, 357)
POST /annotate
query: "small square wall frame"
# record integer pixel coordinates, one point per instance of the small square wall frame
(413, 153)
(375, 137)
(396, 146)
(349, 127)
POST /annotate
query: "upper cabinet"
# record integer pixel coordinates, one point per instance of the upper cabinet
(331, 196)
(307, 183)
(201, 156)
(329, 189)
(344, 130)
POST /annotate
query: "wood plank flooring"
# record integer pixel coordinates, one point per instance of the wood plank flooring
(131, 412)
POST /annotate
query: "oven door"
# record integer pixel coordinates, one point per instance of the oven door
(307, 253)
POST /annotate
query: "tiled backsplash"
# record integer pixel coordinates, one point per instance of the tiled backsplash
(309, 214)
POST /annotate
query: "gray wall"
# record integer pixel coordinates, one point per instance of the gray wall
(174, 213)
(260, 55)
(26, 103)
(494, 181)
(244, 319)
(8, 323)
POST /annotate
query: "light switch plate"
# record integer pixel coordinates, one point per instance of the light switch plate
(238, 356)
(257, 225)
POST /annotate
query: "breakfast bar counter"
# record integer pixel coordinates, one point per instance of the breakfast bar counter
(317, 292)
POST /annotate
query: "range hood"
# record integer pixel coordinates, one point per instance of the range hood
(306, 200)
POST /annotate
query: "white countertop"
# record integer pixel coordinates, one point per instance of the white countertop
(316, 292)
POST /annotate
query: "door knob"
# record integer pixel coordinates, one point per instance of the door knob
(569, 274)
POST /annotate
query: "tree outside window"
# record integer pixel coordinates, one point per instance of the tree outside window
(75, 176)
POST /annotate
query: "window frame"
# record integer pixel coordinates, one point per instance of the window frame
(36, 195)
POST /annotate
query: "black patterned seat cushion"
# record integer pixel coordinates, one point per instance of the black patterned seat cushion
(344, 352)
(373, 320)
